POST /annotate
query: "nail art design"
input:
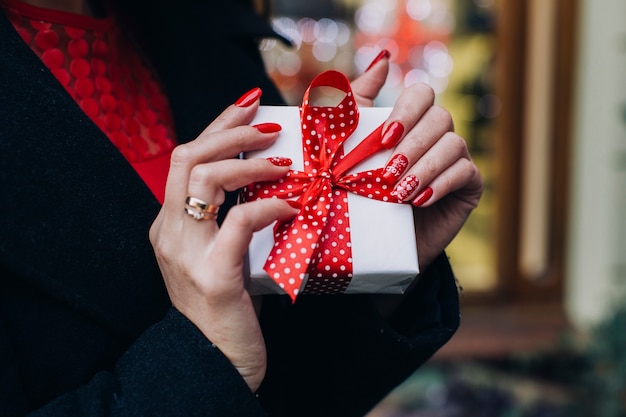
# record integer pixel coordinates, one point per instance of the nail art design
(268, 127)
(381, 55)
(423, 197)
(395, 168)
(280, 161)
(392, 135)
(248, 98)
(405, 187)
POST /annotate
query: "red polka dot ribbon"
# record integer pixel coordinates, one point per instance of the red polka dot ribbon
(314, 249)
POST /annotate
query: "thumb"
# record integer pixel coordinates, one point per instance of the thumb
(367, 86)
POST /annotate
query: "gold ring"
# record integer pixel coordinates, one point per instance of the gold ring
(200, 210)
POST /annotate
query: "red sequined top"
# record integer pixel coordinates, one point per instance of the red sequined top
(108, 80)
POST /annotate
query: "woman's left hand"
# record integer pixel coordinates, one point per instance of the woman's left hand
(431, 166)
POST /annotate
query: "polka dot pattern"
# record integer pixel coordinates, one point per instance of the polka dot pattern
(106, 78)
(315, 247)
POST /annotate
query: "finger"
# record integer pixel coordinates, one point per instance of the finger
(443, 154)
(242, 221)
(412, 104)
(225, 144)
(210, 181)
(463, 175)
(367, 86)
(433, 124)
(239, 113)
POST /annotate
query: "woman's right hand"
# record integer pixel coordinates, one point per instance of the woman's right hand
(202, 263)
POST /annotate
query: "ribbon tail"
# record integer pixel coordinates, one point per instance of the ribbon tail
(289, 260)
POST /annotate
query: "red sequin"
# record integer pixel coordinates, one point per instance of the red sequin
(126, 110)
(40, 25)
(53, 58)
(147, 117)
(113, 121)
(158, 133)
(108, 102)
(139, 144)
(74, 33)
(100, 49)
(46, 39)
(78, 48)
(90, 107)
(103, 85)
(84, 87)
(131, 126)
(80, 68)
(62, 75)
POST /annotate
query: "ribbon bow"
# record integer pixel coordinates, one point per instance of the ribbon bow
(314, 250)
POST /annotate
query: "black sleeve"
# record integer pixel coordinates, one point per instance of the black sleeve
(171, 370)
(336, 356)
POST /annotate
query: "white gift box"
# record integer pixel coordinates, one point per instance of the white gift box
(384, 253)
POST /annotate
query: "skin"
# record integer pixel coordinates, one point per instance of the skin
(202, 263)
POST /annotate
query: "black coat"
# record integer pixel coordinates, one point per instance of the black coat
(86, 327)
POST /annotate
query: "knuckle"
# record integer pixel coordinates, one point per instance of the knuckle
(199, 176)
(477, 176)
(239, 217)
(181, 155)
(472, 175)
(153, 234)
(424, 90)
(430, 166)
(241, 134)
(441, 116)
(161, 247)
(457, 143)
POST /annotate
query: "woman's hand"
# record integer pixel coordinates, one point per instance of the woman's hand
(431, 166)
(201, 262)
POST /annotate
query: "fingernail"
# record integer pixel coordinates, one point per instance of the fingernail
(384, 54)
(395, 168)
(392, 135)
(405, 187)
(268, 127)
(280, 161)
(295, 204)
(423, 197)
(248, 98)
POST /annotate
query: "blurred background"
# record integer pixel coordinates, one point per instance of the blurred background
(538, 89)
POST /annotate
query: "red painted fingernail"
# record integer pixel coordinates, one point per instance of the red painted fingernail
(392, 135)
(423, 197)
(395, 168)
(268, 127)
(295, 204)
(248, 98)
(280, 161)
(405, 187)
(384, 54)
